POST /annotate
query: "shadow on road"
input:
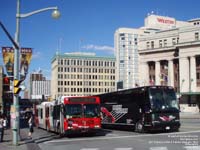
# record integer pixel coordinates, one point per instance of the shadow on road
(53, 136)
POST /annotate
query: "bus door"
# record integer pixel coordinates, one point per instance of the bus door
(91, 115)
(40, 117)
(73, 115)
(47, 123)
(51, 116)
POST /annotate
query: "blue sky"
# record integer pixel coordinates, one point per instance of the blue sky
(85, 25)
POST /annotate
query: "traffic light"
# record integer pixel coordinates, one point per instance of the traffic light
(6, 84)
(17, 87)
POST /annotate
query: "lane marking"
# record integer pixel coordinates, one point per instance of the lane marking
(119, 137)
(158, 148)
(89, 149)
(192, 147)
(128, 148)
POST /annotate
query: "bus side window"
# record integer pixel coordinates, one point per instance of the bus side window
(47, 111)
(36, 112)
(56, 112)
(41, 113)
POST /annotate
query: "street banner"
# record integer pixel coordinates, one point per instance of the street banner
(26, 55)
(25, 58)
(8, 59)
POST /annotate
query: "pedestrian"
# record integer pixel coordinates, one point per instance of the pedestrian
(1, 128)
(30, 123)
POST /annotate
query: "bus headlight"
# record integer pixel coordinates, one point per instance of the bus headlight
(96, 126)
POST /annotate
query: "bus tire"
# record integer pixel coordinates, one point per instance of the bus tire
(139, 127)
(59, 130)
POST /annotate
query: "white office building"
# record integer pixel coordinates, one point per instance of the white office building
(39, 86)
(41, 89)
(127, 58)
(82, 74)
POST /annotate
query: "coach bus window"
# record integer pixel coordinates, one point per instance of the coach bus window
(91, 110)
(163, 99)
(170, 98)
(73, 110)
(157, 99)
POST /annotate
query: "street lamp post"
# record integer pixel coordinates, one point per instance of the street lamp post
(15, 107)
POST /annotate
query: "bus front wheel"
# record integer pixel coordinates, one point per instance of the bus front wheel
(139, 126)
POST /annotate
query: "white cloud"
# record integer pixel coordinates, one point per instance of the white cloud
(36, 55)
(98, 47)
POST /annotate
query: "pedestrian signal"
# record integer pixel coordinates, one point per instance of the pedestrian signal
(17, 87)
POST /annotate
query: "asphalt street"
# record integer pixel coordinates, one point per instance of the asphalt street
(188, 138)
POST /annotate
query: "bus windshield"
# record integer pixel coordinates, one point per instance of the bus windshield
(91, 110)
(163, 99)
(73, 110)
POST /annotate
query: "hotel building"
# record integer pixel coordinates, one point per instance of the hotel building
(126, 42)
(168, 53)
(172, 57)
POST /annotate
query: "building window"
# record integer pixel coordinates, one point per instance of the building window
(122, 38)
(160, 43)
(148, 46)
(198, 75)
(173, 41)
(196, 35)
(165, 42)
(152, 44)
(177, 40)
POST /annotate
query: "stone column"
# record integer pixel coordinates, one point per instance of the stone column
(184, 74)
(144, 73)
(193, 81)
(157, 73)
(170, 73)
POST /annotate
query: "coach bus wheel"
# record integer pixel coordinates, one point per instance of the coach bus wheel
(139, 127)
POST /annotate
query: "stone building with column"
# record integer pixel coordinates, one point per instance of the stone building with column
(172, 57)
(129, 41)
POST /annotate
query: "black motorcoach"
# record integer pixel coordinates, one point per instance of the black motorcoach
(145, 108)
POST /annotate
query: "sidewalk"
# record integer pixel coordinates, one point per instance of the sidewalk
(24, 142)
(187, 115)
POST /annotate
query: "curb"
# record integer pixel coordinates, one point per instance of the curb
(23, 143)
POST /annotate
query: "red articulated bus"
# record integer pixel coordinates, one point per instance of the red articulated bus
(68, 115)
